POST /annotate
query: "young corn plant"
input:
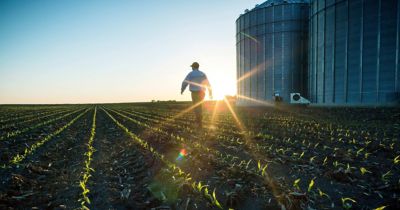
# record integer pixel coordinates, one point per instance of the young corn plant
(312, 159)
(359, 152)
(18, 158)
(347, 203)
(385, 177)
(380, 208)
(366, 155)
(325, 161)
(396, 160)
(185, 141)
(322, 194)
(296, 184)
(262, 169)
(364, 171)
(36, 118)
(86, 175)
(215, 200)
(311, 185)
(301, 155)
(170, 165)
(26, 129)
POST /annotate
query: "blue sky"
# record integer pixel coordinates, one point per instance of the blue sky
(114, 51)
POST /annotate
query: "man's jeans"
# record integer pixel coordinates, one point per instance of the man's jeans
(197, 97)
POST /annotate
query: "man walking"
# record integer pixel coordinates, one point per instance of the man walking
(198, 84)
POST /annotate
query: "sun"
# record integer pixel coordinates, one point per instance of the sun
(223, 87)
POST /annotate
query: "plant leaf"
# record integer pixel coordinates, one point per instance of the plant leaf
(380, 208)
(310, 185)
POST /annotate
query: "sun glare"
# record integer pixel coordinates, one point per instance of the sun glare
(223, 87)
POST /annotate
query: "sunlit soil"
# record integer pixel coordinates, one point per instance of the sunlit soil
(153, 155)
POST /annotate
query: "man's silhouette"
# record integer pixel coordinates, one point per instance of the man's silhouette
(198, 83)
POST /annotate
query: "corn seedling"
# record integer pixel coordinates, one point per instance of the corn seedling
(296, 184)
(18, 158)
(396, 160)
(364, 170)
(380, 208)
(26, 129)
(310, 186)
(322, 194)
(86, 175)
(169, 164)
(347, 203)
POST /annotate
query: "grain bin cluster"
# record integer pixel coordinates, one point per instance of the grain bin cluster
(332, 52)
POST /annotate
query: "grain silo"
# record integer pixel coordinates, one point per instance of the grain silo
(354, 52)
(271, 47)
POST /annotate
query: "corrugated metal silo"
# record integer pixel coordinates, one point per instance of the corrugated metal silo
(354, 52)
(271, 50)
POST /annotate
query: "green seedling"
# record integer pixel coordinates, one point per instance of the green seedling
(200, 187)
(301, 155)
(248, 163)
(347, 203)
(322, 194)
(396, 160)
(380, 208)
(325, 161)
(359, 151)
(385, 177)
(296, 184)
(263, 169)
(215, 200)
(310, 186)
(364, 170)
(18, 158)
(85, 199)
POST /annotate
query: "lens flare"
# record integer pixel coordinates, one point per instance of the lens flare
(265, 103)
(250, 37)
(181, 154)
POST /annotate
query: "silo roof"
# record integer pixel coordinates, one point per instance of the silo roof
(269, 3)
(277, 2)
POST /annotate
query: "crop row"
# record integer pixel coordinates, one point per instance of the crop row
(178, 172)
(28, 151)
(216, 116)
(86, 175)
(296, 156)
(228, 161)
(186, 124)
(16, 115)
(300, 127)
(358, 154)
(33, 118)
(37, 125)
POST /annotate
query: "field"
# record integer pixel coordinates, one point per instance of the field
(152, 155)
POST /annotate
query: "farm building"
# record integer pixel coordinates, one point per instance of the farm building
(332, 52)
(272, 50)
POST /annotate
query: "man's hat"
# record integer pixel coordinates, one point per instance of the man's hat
(195, 65)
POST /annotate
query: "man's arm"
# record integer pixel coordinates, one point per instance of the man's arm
(185, 83)
(208, 85)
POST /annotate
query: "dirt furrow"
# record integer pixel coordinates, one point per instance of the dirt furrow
(16, 145)
(121, 169)
(50, 177)
(205, 167)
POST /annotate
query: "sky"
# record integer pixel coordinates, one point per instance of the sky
(94, 51)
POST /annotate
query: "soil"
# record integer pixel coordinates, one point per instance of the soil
(350, 155)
